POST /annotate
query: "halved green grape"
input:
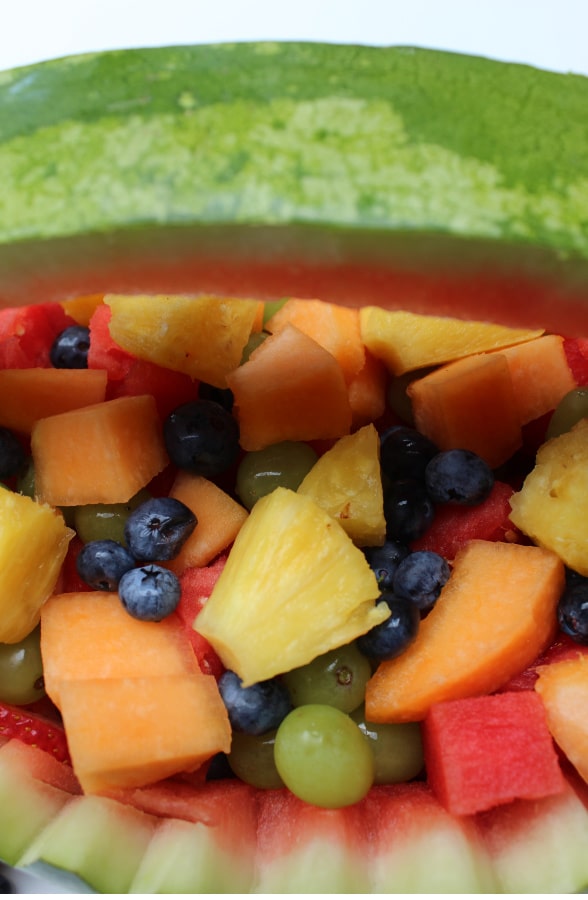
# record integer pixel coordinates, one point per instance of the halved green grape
(106, 521)
(279, 465)
(21, 670)
(252, 759)
(571, 408)
(323, 756)
(337, 678)
(397, 748)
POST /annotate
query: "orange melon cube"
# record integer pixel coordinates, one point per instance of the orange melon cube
(336, 328)
(469, 404)
(219, 520)
(563, 688)
(129, 732)
(540, 375)
(102, 453)
(494, 616)
(82, 308)
(32, 394)
(367, 392)
(91, 635)
(290, 389)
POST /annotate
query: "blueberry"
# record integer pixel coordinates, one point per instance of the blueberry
(12, 454)
(6, 885)
(405, 452)
(408, 510)
(458, 476)
(101, 564)
(158, 528)
(392, 637)
(222, 396)
(202, 437)
(384, 561)
(149, 593)
(70, 348)
(572, 612)
(420, 577)
(257, 708)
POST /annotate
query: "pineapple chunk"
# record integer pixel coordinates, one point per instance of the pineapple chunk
(293, 587)
(346, 481)
(406, 341)
(550, 507)
(33, 544)
(202, 336)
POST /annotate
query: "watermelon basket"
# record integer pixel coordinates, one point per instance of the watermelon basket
(364, 238)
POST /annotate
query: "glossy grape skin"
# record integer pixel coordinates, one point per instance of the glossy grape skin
(337, 678)
(405, 452)
(70, 348)
(397, 748)
(279, 465)
(21, 670)
(201, 437)
(252, 759)
(323, 756)
(408, 510)
(106, 521)
(458, 476)
(571, 408)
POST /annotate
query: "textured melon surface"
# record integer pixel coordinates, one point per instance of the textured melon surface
(121, 166)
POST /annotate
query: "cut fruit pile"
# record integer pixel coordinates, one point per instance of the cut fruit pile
(135, 773)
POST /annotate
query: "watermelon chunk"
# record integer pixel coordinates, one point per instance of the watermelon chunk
(481, 752)
(454, 525)
(197, 584)
(27, 333)
(562, 647)
(576, 351)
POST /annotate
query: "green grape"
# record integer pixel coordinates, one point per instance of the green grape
(252, 759)
(569, 411)
(255, 340)
(271, 307)
(105, 521)
(21, 670)
(397, 748)
(279, 465)
(337, 678)
(323, 756)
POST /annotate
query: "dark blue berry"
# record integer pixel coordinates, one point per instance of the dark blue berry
(218, 768)
(408, 510)
(149, 593)
(459, 476)
(158, 528)
(70, 348)
(420, 577)
(255, 709)
(572, 612)
(384, 561)
(392, 637)
(405, 452)
(6, 885)
(222, 396)
(101, 564)
(12, 454)
(202, 437)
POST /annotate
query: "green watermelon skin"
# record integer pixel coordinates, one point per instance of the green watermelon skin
(410, 176)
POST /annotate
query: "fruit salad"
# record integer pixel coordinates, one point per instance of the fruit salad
(287, 568)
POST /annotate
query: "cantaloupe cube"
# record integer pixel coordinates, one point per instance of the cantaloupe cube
(469, 404)
(32, 394)
(219, 516)
(102, 453)
(563, 687)
(540, 375)
(128, 732)
(91, 635)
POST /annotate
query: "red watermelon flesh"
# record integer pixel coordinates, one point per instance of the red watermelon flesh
(481, 752)
(563, 647)
(576, 351)
(454, 525)
(197, 584)
(27, 333)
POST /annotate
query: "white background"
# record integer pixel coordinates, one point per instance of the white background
(552, 35)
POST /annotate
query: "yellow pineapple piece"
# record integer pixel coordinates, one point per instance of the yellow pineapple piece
(202, 336)
(551, 506)
(405, 341)
(346, 481)
(294, 586)
(33, 544)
